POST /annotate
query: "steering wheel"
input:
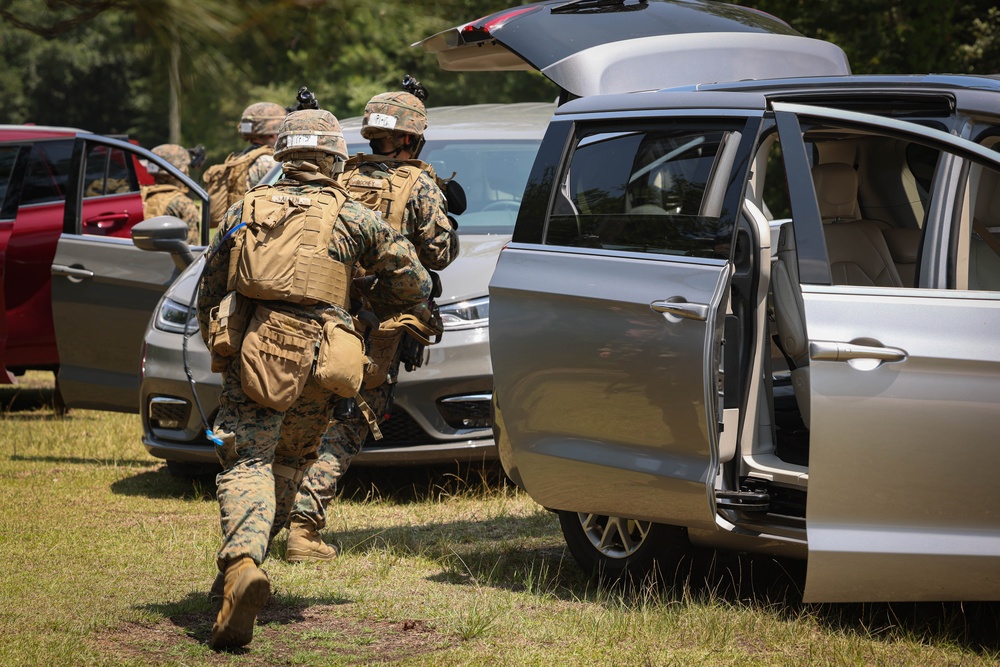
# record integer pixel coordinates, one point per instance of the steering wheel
(502, 205)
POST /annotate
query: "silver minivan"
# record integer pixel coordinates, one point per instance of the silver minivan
(758, 315)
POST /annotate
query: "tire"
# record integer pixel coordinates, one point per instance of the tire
(616, 549)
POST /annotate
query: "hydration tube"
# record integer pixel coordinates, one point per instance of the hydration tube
(187, 334)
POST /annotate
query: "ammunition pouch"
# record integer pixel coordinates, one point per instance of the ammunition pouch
(277, 356)
(226, 329)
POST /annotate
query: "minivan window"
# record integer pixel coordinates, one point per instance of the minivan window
(640, 191)
(48, 172)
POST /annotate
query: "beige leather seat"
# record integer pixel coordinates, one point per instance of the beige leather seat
(789, 317)
(857, 249)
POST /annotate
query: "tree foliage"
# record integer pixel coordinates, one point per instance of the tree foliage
(105, 65)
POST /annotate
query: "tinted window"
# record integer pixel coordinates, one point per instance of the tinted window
(107, 172)
(48, 171)
(8, 158)
(642, 191)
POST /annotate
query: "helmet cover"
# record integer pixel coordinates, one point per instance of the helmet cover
(310, 131)
(396, 111)
(261, 119)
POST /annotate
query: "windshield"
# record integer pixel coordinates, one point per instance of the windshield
(492, 173)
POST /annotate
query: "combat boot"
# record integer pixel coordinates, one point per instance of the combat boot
(246, 591)
(305, 544)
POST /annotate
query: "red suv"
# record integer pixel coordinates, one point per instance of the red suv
(61, 190)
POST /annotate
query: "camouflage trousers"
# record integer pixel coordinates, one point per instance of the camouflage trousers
(338, 447)
(265, 455)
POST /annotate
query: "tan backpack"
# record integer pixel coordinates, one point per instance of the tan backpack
(388, 189)
(226, 183)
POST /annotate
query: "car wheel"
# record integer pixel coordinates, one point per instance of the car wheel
(616, 548)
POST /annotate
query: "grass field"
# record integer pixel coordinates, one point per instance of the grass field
(106, 559)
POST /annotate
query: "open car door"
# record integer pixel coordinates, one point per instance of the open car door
(104, 291)
(905, 382)
(6, 226)
(589, 47)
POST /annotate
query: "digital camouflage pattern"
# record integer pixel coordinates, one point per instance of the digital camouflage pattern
(310, 131)
(395, 111)
(261, 119)
(167, 199)
(258, 168)
(251, 492)
(176, 155)
(427, 226)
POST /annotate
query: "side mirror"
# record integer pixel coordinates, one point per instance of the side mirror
(164, 233)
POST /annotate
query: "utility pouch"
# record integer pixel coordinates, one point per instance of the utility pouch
(277, 356)
(382, 346)
(227, 327)
(341, 362)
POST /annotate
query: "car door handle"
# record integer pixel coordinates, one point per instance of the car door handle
(71, 272)
(830, 351)
(107, 220)
(689, 311)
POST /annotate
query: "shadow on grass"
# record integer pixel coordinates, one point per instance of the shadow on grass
(76, 460)
(160, 483)
(687, 574)
(195, 614)
(17, 398)
(400, 485)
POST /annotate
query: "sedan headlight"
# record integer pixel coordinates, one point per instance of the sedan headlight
(172, 315)
(466, 314)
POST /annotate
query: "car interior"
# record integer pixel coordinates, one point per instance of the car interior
(872, 193)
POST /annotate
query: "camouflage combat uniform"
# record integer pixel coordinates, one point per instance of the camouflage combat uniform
(168, 196)
(264, 451)
(259, 167)
(165, 199)
(426, 224)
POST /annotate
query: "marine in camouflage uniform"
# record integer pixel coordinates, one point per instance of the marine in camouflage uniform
(262, 469)
(258, 125)
(168, 196)
(394, 123)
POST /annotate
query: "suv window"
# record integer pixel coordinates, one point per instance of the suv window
(641, 191)
(48, 172)
(107, 172)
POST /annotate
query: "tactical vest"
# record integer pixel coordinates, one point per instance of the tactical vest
(387, 189)
(283, 253)
(226, 183)
(156, 198)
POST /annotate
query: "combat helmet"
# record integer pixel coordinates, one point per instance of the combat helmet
(309, 131)
(176, 155)
(397, 111)
(261, 119)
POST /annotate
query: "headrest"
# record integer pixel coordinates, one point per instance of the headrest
(836, 186)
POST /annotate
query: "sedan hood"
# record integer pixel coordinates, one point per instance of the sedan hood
(590, 47)
(468, 277)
